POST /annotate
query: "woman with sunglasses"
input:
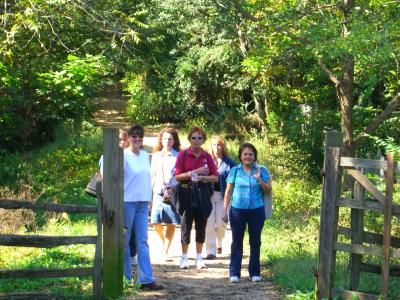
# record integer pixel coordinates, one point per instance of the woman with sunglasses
(137, 195)
(162, 168)
(194, 169)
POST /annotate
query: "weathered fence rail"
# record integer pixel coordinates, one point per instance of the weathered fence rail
(46, 273)
(109, 238)
(67, 208)
(41, 241)
(380, 245)
(367, 163)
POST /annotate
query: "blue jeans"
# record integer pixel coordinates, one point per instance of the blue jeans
(239, 218)
(135, 216)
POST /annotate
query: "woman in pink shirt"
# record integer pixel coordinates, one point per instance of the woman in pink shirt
(194, 169)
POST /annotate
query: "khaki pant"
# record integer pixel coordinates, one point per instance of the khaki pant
(215, 229)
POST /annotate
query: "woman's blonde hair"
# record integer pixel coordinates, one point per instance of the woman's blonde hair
(219, 140)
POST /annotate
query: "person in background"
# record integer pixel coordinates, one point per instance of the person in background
(162, 167)
(194, 169)
(246, 184)
(215, 230)
(137, 195)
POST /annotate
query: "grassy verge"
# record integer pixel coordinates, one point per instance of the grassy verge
(290, 258)
(60, 257)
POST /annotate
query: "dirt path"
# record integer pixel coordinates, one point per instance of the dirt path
(210, 283)
(112, 108)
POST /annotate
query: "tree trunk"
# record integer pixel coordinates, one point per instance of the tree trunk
(259, 101)
(344, 92)
(261, 109)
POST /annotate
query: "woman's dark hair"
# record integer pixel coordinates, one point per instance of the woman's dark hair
(248, 146)
(174, 133)
(136, 130)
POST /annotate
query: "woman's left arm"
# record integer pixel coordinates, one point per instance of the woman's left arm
(266, 186)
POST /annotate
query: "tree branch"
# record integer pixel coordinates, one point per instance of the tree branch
(243, 12)
(328, 72)
(392, 105)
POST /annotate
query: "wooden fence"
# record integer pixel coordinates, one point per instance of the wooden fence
(380, 245)
(40, 241)
(109, 238)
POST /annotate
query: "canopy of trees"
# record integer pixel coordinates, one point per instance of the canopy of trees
(294, 68)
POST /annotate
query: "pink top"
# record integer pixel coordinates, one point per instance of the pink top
(188, 162)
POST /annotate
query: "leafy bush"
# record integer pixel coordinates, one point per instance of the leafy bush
(296, 197)
(59, 171)
(283, 158)
(31, 107)
(68, 89)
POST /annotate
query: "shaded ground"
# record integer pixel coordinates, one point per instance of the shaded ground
(112, 108)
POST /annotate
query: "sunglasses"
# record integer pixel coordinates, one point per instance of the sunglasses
(198, 138)
(135, 136)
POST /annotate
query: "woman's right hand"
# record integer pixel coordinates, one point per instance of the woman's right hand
(204, 170)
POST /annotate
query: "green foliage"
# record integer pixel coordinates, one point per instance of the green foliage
(199, 74)
(28, 116)
(67, 90)
(278, 154)
(388, 145)
(301, 198)
(58, 171)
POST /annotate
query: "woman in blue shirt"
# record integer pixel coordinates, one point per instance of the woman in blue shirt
(215, 229)
(246, 185)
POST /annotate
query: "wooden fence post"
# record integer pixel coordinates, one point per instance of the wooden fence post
(328, 223)
(357, 232)
(387, 225)
(332, 139)
(113, 214)
(97, 278)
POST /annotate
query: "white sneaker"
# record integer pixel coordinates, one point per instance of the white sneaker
(256, 278)
(184, 263)
(200, 263)
(234, 279)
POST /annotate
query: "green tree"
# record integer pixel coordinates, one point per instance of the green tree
(355, 44)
